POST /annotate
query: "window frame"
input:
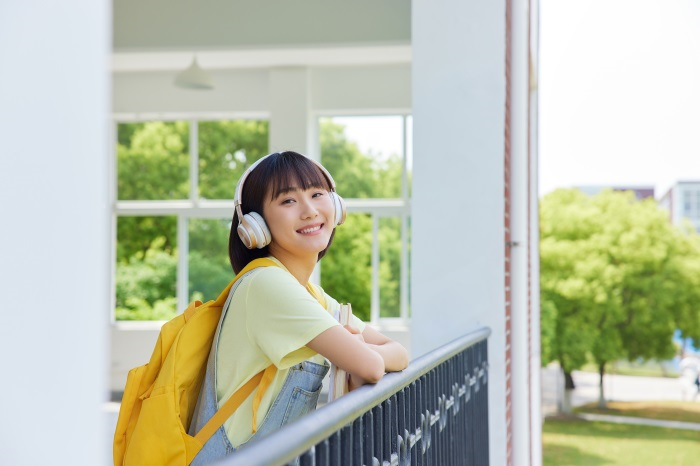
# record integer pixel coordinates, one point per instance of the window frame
(193, 207)
(196, 208)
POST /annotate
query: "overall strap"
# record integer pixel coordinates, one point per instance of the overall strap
(230, 406)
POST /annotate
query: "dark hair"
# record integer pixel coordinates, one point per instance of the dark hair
(275, 175)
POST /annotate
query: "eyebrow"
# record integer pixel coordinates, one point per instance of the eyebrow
(289, 189)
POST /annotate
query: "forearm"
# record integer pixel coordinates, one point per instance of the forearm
(394, 355)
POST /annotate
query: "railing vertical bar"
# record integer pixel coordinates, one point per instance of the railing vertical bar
(346, 458)
(388, 418)
(323, 453)
(379, 432)
(334, 456)
(473, 431)
(308, 458)
(449, 423)
(484, 401)
(444, 437)
(412, 424)
(368, 438)
(402, 427)
(463, 418)
(357, 429)
(432, 405)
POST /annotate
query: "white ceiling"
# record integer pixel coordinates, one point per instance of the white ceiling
(150, 35)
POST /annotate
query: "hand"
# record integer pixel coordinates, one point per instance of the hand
(354, 382)
(356, 332)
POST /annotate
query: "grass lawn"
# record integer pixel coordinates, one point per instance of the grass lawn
(576, 442)
(684, 411)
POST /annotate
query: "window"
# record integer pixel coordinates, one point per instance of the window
(174, 201)
(370, 158)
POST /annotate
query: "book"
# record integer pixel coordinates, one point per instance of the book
(338, 385)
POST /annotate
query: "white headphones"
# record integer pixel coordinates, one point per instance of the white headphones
(252, 228)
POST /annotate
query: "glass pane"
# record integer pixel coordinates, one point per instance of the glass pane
(364, 154)
(346, 270)
(390, 267)
(226, 149)
(153, 160)
(146, 268)
(209, 267)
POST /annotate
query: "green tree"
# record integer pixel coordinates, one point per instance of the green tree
(616, 280)
(226, 149)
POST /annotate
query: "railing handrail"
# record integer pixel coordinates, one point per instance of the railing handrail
(313, 428)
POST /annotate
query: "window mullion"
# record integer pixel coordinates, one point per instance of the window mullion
(183, 247)
(374, 303)
(194, 161)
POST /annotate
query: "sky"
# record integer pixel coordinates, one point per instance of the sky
(619, 92)
(619, 89)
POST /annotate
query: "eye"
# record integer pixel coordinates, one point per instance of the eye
(319, 194)
(288, 200)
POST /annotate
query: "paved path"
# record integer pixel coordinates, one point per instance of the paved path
(616, 388)
(640, 421)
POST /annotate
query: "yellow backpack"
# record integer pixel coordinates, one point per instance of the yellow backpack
(160, 397)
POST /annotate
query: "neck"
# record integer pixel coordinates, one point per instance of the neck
(300, 267)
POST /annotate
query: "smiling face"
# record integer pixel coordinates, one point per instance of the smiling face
(301, 222)
(281, 174)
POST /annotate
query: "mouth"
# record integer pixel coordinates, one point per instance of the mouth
(310, 229)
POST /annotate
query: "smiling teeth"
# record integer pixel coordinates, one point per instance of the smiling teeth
(309, 230)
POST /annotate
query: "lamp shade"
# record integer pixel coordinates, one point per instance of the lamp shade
(194, 77)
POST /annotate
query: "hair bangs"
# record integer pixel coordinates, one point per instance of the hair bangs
(291, 171)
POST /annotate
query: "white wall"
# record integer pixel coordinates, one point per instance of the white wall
(54, 240)
(457, 259)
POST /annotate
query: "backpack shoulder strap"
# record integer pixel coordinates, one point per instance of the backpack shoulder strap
(232, 404)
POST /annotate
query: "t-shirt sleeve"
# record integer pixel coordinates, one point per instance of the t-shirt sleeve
(333, 305)
(283, 317)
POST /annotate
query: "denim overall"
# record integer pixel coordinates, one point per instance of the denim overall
(298, 396)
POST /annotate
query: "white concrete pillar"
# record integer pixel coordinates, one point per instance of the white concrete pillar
(54, 240)
(290, 122)
(458, 75)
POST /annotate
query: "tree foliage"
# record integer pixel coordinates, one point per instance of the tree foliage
(616, 279)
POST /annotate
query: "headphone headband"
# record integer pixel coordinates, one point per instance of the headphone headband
(239, 186)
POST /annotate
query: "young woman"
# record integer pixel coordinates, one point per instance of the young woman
(287, 211)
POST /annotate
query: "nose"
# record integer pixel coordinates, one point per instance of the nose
(309, 209)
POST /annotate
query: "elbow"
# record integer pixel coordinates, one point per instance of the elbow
(374, 376)
(403, 363)
(374, 372)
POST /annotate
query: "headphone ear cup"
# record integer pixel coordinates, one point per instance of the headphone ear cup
(339, 205)
(253, 231)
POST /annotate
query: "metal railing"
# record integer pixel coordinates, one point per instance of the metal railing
(435, 412)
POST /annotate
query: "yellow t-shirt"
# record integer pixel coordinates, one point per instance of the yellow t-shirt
(270, 320)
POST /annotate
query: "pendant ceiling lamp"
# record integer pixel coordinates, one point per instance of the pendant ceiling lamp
(194, 77)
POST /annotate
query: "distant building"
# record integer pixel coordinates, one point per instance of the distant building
(683, 201)
(641, 192)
